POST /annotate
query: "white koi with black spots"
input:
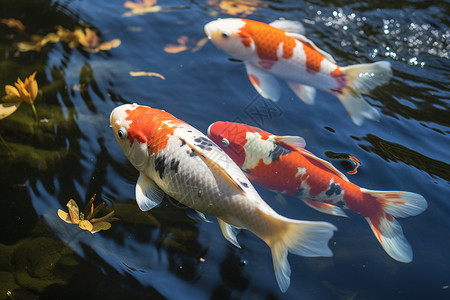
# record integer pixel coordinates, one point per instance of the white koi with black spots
(177, 159)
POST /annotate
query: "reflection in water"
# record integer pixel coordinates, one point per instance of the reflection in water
(395, 152)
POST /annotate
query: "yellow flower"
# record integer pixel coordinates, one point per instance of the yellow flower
(22, 92)
(85, 220)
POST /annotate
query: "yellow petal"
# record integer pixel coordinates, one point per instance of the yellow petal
(86, 225)
(11, 91)
(64, 216)
(100, 226)
(8, 108)
(73, 211)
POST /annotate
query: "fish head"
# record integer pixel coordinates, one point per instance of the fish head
(133, 146)
(227, 34)
(231, 137)
(142, 131)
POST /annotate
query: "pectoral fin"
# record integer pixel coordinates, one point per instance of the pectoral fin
(202, 216)
(304, 92)
(229, 232)
(265, 83)
(325, 208)
(148, 194)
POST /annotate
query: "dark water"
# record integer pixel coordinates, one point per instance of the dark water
(169, 253)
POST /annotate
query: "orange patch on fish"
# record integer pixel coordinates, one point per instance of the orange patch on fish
(151, 126)
(340, 78)
(267, 40)
(313, 59)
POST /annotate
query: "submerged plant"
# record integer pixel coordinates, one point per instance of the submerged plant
(24, 91)
(85, 220)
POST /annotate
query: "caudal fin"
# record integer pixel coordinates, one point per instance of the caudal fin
(298, 237)
(360, 80)
(387, 230)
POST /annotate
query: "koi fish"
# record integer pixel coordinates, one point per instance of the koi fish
(280, 50)
(174, 158)
(281, 164)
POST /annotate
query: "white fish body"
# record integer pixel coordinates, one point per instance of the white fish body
(189, 167)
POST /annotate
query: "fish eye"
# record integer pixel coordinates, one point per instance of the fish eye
(225, 142)
(122, 133)
(224, 35)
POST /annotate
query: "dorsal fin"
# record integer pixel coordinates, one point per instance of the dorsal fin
(324, 163)
(216, 166)
(289, 26)
(305, 40)
(295, 142)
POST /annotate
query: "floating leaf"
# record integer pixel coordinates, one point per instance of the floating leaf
(137, 74)
(109, 45)
(8, 108)
(171, 48)
(139, 4)
(13, 23)
(236, 7)
(200, 44)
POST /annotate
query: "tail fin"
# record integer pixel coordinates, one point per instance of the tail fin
(361, 79)
(298, 237)
(387, 230)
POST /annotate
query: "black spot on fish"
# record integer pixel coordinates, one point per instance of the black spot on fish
(204, 143)
(174, 164)
(334, 189)
(193, 153)
(278, 151)
(160, 165)
(244, 184)
(182, 143)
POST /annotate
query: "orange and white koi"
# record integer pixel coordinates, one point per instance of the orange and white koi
(280, 50)
(280, 163)
(174, 158)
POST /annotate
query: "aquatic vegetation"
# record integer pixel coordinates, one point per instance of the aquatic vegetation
(85, 37)
(24, 91)
(85, 220)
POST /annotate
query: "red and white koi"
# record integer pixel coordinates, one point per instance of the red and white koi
(280, 163)
(279, 49)
(174, 158)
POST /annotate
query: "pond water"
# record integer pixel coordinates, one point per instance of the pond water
(169, 252)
